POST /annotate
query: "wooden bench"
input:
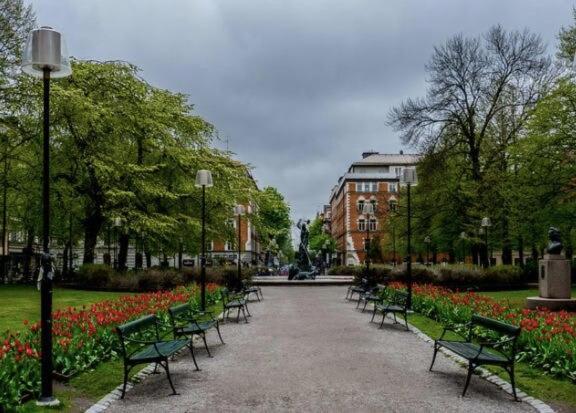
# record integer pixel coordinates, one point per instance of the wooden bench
(141, 344)
(396, 304)
(187, 322)
(499, 352)
(234, 301)
(357, 289)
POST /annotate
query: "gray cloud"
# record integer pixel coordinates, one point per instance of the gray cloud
(301, 88)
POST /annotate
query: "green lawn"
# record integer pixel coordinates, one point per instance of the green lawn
(21, 303)
(516, 298)
(559, 393)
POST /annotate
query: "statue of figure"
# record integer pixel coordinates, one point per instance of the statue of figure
(304, 233)
(555, 245)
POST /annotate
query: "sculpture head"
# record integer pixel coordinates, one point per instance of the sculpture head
(555, 245)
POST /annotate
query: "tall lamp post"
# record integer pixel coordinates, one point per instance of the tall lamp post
(239, 210)
(326, 257)
(117, 224)
(203, 180)
(368, 211)
(45, 56)
(427, 241)
(485, 224)
(409, 178)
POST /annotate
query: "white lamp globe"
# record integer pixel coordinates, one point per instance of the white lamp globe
(204, 178)
(46, 50)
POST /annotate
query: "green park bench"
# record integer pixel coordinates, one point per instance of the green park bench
(373, 295)
(141, 344)
(357, 289)
(234, 301)
(187, 322)
(248, 289)
(396, 304)
(501, 351)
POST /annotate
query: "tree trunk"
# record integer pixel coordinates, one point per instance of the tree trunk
(28, 252)
(92, 225)
(123, 253)
(148, 259)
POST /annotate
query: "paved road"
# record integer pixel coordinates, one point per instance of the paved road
(307, 349)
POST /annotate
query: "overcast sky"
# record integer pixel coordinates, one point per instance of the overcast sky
(299, 87)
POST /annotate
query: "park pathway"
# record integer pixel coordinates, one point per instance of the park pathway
(308, 350)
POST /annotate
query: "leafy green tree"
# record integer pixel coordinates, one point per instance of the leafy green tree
(272, 219)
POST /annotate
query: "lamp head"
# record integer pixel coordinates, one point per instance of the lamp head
(239, 210)
(204, 178)
(427, 239)
(409, 176)
(46, 50)
(486, 222)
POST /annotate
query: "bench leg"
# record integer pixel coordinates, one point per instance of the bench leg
(247, 310)
(471, 368)
(206, 344)
(365, 304)
(358, 303)
(191, 347)
(238, 315)
(126, 370)
(244, 312)
(167, 368)
(219, 335)
(434, 356)
(406, 321)
(382, 322)
(373, 314)
(511, 374)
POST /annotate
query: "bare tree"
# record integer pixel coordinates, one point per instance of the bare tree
(475, 84)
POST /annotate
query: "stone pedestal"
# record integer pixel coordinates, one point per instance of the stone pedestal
(553, 284)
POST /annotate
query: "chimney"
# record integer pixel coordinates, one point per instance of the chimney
(369, 153)
(401, 152)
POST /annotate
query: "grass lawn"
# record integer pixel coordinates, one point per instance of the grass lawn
(21, 303)
(516, 298)
(559, 393)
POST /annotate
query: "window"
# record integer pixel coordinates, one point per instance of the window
(360, 205)
(374, 204)
(393, 205)
(367, 187)
(228, 246)
(398, 171)
(392, 187)
(209, 246)
(362, 225)
(373, 224)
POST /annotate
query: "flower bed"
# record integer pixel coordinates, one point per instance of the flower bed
(547, 341)
(82, 338)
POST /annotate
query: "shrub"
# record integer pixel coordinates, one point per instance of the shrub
(94, 275)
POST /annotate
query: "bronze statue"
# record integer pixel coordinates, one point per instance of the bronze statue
(555, 245)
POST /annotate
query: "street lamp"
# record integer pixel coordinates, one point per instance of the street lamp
(463, 238)
(117, 225)
(45, 56)
(409, 177)
(239, 210)
(203, 180)
(427, 241)
(485, 224)
(368, 211)
(326, 248)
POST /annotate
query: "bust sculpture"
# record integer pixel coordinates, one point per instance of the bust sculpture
(555, 244)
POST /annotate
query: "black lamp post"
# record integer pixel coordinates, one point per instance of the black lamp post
(463, 238)
(238, 212)
(368, 211)
(203, 180)
(117, 224)
(409, 177)
(45, 56)
(485, 224)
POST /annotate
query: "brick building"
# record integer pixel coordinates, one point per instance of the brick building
(375, 179)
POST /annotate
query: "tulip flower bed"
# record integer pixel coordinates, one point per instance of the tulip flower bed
(547, 341)
(82, 338)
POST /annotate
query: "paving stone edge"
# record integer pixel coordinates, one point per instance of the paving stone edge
(115, 394)
(539, 405)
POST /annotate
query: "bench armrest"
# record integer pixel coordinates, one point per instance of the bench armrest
(134, 340)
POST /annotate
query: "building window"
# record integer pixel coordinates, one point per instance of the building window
(373, 224)
(361, 225)
(393, 205)
(209, 246)
(392, 187)
(398, 171)
(228, 246)
(374, 204)
(360, 205)
(366, 186)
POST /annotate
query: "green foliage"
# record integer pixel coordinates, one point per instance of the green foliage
(272, 220)
(319, 238)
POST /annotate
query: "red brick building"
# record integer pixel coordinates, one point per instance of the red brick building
(375, 179)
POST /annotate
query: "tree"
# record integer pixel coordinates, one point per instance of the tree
(272, 219)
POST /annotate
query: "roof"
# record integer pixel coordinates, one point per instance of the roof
(389, 159)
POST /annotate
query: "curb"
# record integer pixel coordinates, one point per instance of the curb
(115, 394)
(537, 404)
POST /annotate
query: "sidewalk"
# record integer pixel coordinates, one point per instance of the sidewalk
(306, 349)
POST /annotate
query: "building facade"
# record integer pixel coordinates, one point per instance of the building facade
(374, 179)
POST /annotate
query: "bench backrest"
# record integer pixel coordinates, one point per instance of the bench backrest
(400, 298)
(181, 312)
(143, 323)
(496, 325)
(147, 325)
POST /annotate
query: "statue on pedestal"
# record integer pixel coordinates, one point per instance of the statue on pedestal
(304, 265)
(555, 245)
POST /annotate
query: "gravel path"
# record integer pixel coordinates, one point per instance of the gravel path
(307, 349)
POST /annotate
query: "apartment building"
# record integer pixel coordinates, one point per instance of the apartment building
(374, 179)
